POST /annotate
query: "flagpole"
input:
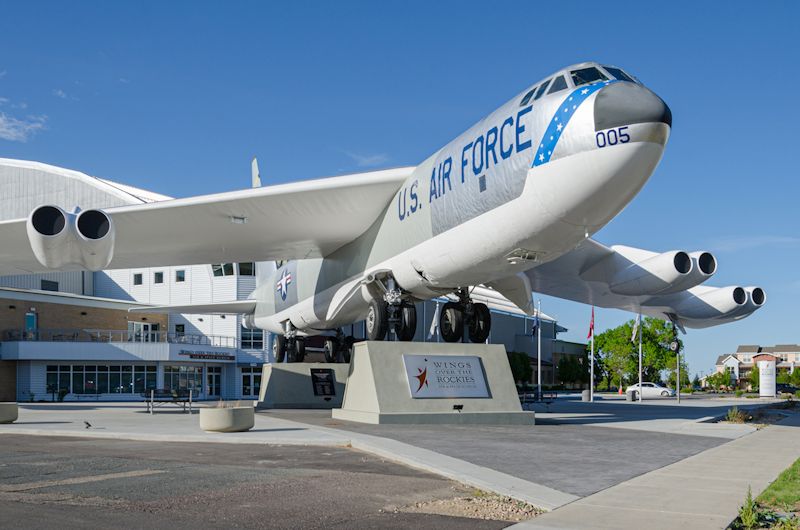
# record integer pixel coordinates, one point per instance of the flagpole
(591, 365)
(640, 357)
(539, 349)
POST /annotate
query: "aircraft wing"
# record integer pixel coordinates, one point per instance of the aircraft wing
(288, 221)
(663, 285)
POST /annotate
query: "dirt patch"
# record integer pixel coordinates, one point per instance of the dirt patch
(477, 505)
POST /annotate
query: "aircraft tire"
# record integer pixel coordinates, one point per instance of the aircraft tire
(331, 350)
(299, 350)
(480, 324)
(451, 322)
(347, 349)
(377, 320)
(406, 326)
(279, 348)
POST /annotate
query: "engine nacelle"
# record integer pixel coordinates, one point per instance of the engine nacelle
(704, 265)
(654, 275)
(95, 233)
(720, 302)
(59, 239)
(756, 297)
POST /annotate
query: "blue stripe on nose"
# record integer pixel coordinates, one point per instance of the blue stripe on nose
(561, 118)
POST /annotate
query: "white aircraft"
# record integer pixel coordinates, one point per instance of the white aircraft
(509, 204)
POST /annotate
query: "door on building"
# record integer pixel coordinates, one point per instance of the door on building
(251, 381)
(142, 332)
(213, 381)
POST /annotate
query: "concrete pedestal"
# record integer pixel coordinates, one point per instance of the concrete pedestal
(227, 419)
(413, 383)
(292, 386)
(9, 412)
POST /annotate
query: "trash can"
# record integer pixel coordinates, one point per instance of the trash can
(585, 395)
(631, 395)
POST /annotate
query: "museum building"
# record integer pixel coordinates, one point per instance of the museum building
(70, 333)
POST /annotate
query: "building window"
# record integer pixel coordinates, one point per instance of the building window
(137, 279)
(252, 339)
(158, 277)
(49, 285)
(180, 329)
(247, 269)
(180, 276)
(251, 381)
(183, 378)
(102, 379)
(222, 269)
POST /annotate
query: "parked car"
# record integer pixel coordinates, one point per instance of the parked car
(785, 388)
(650, 390)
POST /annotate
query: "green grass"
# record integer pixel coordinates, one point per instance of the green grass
(784, 493)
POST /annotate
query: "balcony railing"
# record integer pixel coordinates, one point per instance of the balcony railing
(106, 335)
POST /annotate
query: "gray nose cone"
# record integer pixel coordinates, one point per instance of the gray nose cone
(626, 103)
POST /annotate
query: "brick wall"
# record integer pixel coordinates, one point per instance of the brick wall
(65, 316)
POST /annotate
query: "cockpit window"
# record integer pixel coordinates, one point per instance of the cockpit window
(619, 74)
(527, 97)
(542, 89)
(584, 76)
(559, 83)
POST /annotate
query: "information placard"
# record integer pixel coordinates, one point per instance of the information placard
(445, 376)
(323, 380)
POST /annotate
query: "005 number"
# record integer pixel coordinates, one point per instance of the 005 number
(613, 137)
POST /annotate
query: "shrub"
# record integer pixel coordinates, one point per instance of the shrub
(739, 393)
(748, 513)
(687, 390)
(735, 415)
(797, 394)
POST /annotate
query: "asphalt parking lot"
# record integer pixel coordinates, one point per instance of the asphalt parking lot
(51, 482)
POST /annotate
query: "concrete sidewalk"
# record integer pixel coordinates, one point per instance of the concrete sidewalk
(701, 492)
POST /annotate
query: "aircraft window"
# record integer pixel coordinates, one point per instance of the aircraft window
(527, 97)
(619, 74)
(559, 83)
(542, 89)
(585, 76)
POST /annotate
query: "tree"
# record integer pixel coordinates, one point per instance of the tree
(754, 377)
(520, 366)
(719, 380)
(696, 381)
(620, 357)
(572, 370)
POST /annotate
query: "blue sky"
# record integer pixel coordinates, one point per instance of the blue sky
(177, 97)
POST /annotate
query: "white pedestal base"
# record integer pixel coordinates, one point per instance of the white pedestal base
(290, 386)
(379, 392)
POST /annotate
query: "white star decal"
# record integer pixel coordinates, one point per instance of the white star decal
(541, 158)
(573, 107)
(584, 91)
(559, 127)
(570, 98)
(566, 109)
(541, 146)
(549, 153)
(556, 118)
(551, 137)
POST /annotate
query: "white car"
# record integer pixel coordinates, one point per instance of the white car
(651, 390)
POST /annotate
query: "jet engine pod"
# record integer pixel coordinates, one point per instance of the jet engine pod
(718, 302)
(756, 297)
(50, 235)
(95, 234)
(653, 275)
(704, 265)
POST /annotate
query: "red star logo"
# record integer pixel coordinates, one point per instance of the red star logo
(422, 377)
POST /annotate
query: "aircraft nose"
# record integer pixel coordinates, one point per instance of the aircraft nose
(626, 103)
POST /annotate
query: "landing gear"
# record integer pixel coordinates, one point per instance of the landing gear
(474, 315)
(289, 346)
(338, 349)
(391, 310)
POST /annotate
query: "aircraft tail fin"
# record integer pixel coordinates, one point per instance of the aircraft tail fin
(255, 175)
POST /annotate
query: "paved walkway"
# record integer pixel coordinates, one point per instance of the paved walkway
(703, 491)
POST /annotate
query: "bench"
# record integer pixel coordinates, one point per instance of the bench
(157, 398)
(527, 399)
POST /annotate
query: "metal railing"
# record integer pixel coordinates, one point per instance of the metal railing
(111, 335)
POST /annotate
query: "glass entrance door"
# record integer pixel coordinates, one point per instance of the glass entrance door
(213, 380)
